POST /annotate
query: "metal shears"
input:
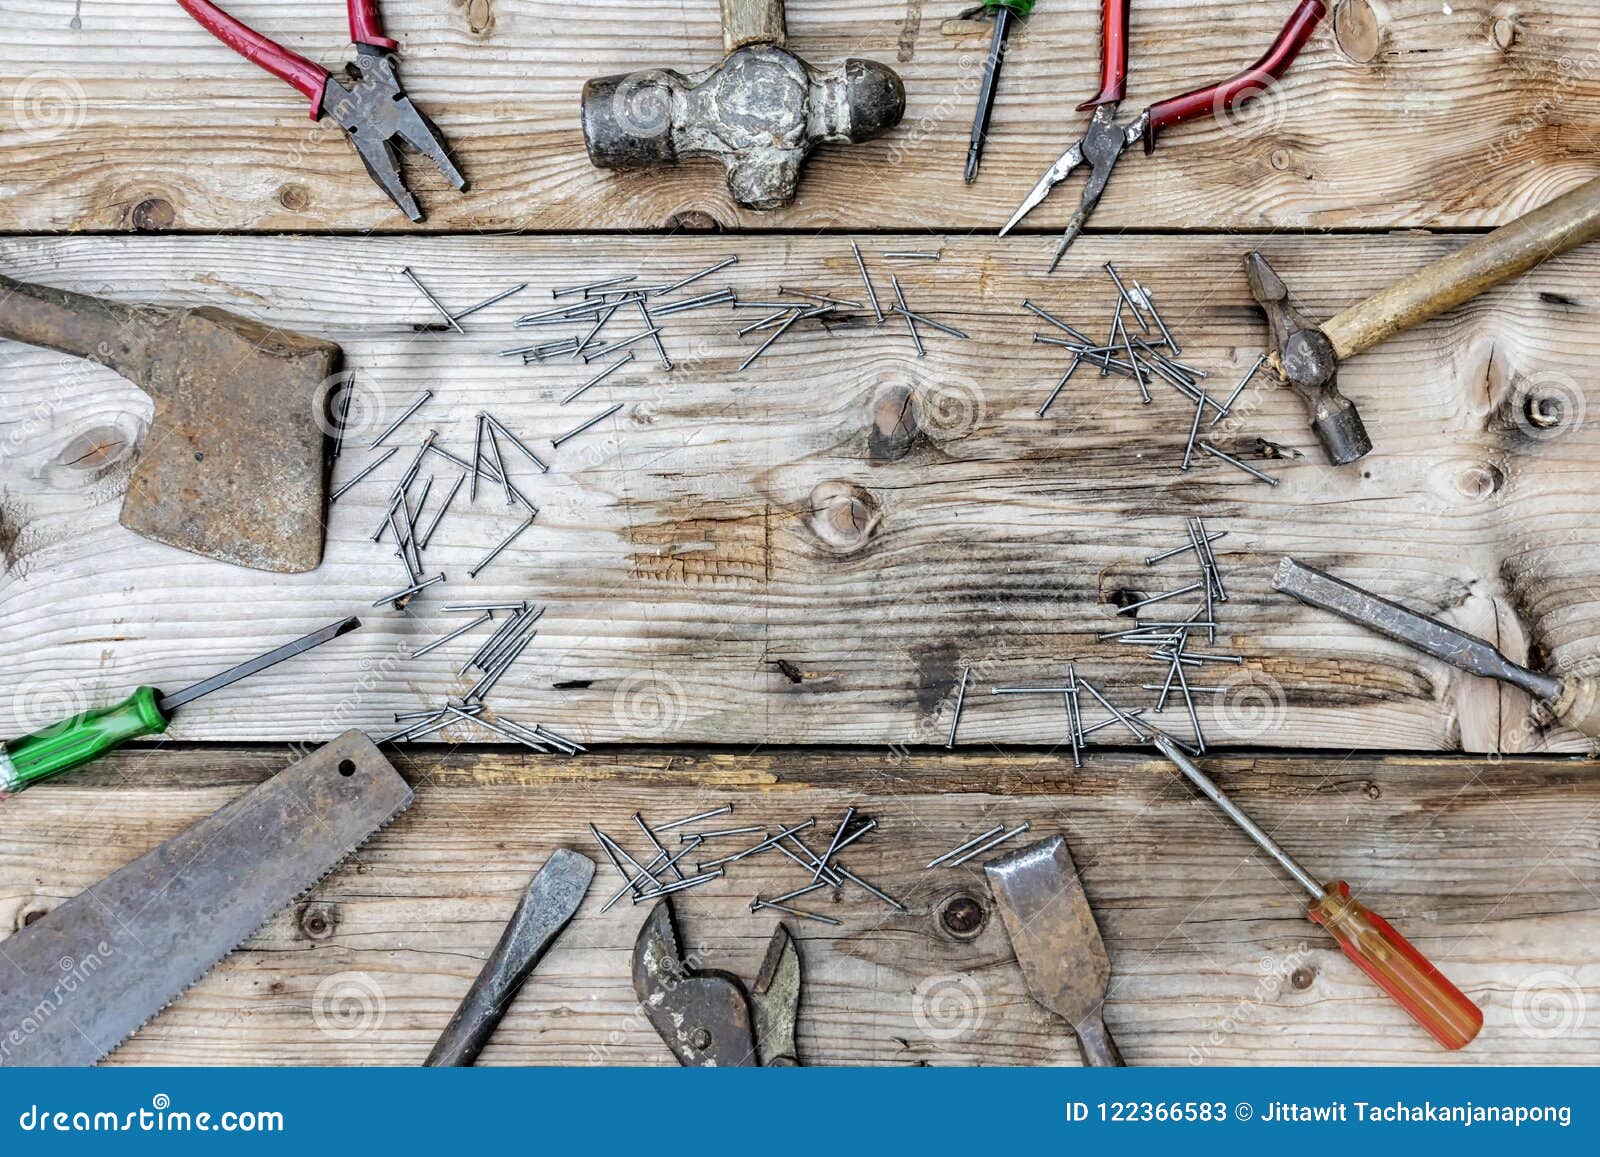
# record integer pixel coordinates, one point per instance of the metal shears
(708, 1017)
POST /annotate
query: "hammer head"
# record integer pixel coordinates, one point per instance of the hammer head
(232, 466)
(761, 112)
(1305, 360)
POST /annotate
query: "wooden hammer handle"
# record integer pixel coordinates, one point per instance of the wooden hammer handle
(1509, 251)
(752, 22)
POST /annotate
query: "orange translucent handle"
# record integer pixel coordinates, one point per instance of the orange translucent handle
(1397, 967)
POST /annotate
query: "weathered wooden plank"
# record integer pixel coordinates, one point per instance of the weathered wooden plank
(806, 511)
(130, 116)
(1487, 866)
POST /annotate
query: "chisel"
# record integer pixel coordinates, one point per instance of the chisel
(75, 741)
(1573, 699)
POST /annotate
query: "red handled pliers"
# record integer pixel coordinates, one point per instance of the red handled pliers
(1106, 140)
(368, 103)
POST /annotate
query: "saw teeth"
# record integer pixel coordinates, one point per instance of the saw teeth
(298, 896)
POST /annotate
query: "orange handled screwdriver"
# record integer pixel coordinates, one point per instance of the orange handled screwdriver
(1367, 938)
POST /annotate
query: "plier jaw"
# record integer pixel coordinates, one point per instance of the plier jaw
(707, 1017)
(368, 103)
(1106, 141)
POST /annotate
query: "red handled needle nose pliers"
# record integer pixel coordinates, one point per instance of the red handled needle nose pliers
(1106, 140)
(368, 103)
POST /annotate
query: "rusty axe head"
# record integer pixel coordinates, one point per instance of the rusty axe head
(760, 112)
(1304, 358)
(232, 466)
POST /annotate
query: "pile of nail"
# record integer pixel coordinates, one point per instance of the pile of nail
(596, 304)
(1167, 640)
(648, 880)
(427, 722)
(900, 308)
(403, 517)
(1143, 360)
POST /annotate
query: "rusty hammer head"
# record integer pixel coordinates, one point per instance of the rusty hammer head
(1305, 359)
(761, 111)
(232, 466)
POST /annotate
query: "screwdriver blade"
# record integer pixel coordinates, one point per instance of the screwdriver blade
(168, 703)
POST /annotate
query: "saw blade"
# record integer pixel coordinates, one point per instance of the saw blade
(78, 982)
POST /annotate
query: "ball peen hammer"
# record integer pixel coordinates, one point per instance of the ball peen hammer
(760, 111)
(1307, 356)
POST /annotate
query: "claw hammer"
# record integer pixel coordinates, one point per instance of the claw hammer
(1307, 356)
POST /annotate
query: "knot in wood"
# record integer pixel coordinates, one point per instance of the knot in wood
(843, 516)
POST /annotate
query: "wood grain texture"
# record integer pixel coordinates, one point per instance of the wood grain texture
(1488, 867)
(876, 520)
(130, 116)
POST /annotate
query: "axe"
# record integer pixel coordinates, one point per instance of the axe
(232, 466)
(1307, 356)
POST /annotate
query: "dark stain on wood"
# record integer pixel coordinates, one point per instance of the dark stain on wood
(938, 669)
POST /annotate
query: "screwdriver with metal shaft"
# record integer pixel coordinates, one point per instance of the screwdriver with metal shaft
(1002, 12)
(75, 741)
(1573, 699)
(1367, 938)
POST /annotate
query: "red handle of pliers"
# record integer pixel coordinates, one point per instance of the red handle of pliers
(1227, 95)
(366, 28)
(1113, 53)
(306, 76)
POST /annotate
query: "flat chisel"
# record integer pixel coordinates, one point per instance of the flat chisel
(1573, 700)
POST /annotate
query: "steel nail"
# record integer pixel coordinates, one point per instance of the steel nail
(365, 470)
(576, 430)
(1232, 461)
(432, 300)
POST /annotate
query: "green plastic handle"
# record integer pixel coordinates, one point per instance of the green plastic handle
(75, 741)
(1019, 7)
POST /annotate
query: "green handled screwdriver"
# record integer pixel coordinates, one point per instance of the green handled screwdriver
(75, 741)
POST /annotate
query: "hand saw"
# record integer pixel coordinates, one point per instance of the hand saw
(77, 983)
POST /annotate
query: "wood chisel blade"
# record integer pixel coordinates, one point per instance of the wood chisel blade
(77, 983)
